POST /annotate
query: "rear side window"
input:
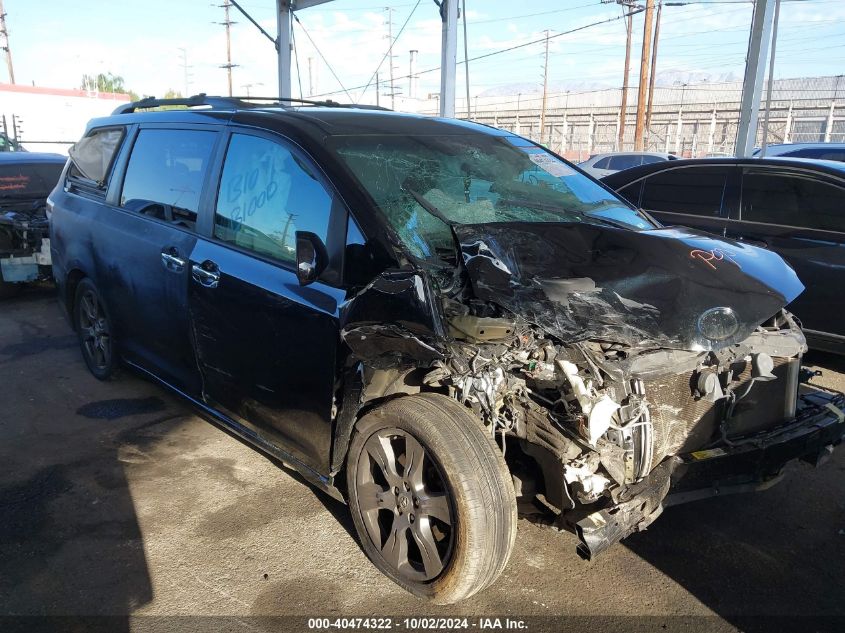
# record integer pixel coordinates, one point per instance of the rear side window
(625, 161)
(602, 163)
(28, 180)
(693, 190)
(268, 193)
(92, 157)
(165, 174)
(820, 153)
(792, 200)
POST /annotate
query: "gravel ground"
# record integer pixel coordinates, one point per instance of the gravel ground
(117, 499)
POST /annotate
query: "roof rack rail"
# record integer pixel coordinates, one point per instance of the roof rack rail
(228, 103)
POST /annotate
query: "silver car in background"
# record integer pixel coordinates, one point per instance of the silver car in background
(600, 165)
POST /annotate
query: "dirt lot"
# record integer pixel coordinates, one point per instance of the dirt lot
(117, 499)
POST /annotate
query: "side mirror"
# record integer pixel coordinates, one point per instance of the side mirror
(311, 257)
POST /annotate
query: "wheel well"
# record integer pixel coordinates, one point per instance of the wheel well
(380, 386)
(71, 283)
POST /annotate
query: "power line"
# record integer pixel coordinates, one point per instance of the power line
(255, 24)
(500, 51)
(323, 57)
(296, 57)
(389, 51)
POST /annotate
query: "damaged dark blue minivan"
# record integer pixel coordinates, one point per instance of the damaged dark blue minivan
(433, 320)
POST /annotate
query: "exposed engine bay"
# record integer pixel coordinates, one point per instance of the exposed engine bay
(25, 182)
(609, 414)
(595, 396)
(24, 242)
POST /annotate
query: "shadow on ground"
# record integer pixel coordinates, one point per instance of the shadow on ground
(70, 543)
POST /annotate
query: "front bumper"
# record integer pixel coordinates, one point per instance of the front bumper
(30, 265)
(753, 463)
(758, 463)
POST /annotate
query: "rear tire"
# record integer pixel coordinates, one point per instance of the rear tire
(431, 497)
(95, 331)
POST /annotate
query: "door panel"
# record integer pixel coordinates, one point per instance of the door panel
(145, 243)
(266, 345)
(267, 349)
(147, 293)
(698, 197)
(784, 197)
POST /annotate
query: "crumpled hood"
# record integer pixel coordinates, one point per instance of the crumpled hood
(641, 288)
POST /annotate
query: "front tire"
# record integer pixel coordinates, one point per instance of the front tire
(95, 331)
(431, 497)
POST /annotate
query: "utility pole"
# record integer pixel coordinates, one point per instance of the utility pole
(629, 25)
(641, 93)
(312, 84)
(4, 43)
(389, 11)
(412, 74)
(185, 71)
(653, 72)
(228, 23)
(545, 90)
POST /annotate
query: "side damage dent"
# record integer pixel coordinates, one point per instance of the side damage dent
(392, 327)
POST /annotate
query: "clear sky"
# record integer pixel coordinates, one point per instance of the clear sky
(55, 41)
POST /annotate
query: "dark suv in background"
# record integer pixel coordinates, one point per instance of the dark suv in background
(432, 319)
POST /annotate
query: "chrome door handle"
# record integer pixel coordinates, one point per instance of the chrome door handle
(207, 278)
(172, 262)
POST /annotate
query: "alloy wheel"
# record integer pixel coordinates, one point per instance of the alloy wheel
(94, 327)
(405, 504)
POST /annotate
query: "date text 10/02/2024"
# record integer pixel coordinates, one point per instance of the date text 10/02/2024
(417, 623)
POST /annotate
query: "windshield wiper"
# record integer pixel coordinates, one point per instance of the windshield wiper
(425, 204)
(581, 216)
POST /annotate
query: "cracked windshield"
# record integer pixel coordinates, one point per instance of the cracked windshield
(422, 183)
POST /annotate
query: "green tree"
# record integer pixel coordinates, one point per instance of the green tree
(107, 82)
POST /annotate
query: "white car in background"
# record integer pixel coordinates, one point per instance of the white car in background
(601, 165)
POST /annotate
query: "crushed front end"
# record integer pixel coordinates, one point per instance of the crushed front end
(25, 182)
(24, 243)
(606, 409)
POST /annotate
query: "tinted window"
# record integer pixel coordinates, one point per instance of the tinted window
(267, 193)
(165, 174)
(695, 190)
(648, 160)
(625, 161)
(92, 157)
(602, 164)
(28, 180)
(821, 153)
(631, 193)
(792, 200)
